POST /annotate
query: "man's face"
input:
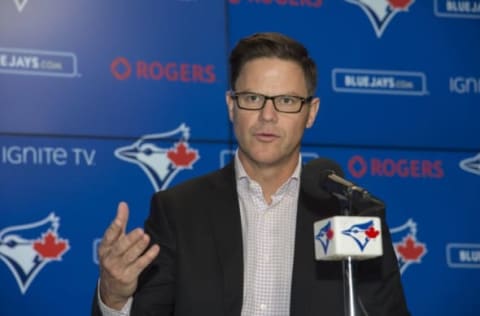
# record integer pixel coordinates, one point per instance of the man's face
(267, 137)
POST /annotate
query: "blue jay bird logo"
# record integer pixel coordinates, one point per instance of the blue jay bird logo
(26, 249)
(324, 235)
(407, 248)
(161, 156)
(362, 233)
(471, 164)
(381, 12)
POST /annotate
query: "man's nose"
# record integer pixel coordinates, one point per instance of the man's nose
(268, 112)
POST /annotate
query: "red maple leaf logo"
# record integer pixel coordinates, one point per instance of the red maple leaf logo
(410, 249)
(372, 233)
(400, 4)
(181, 157)
(50, 247)
(330, 234)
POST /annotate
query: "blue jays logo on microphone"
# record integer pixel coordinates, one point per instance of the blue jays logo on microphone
(161, 156)
(362, 233)
(325, 235)
(381, 12)
(27, 248)
(407, 248)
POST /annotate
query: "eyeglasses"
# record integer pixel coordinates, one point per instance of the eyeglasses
(282, 103)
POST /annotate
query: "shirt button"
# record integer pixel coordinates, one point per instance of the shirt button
(266, 259)
(263, 307)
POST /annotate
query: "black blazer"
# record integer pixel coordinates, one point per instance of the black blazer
(199, 270)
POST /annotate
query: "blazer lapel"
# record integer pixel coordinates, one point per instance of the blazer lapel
(304, 264)
(227, 231)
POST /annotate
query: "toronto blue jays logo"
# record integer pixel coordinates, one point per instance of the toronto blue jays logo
(471, 164)
(362, 233)
(27, 248)
(325, 234)
(407, 248)
(161, 156)
(381, 12)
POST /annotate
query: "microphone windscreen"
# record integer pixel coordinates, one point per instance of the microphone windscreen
(314, 174)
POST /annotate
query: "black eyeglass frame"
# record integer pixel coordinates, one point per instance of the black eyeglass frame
(234, 95)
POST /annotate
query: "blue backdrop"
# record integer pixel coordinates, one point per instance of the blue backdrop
(108, 101)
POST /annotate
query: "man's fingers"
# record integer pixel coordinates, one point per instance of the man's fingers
(143, 261)
(124, 256)
(122, 215)
(138, 246)
(118, 226)
(126, 242)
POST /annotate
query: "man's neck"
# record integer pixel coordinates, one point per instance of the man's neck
(270, 177)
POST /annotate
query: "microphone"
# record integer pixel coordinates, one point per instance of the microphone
(312, 174)
(346, 238)
(322, 178)
(344, 189)
(342, 237)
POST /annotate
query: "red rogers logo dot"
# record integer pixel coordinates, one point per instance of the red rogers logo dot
(357, 166)
(120, 68)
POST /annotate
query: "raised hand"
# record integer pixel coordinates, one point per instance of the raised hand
(122, 258)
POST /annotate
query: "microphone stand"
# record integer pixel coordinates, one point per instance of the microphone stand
(351, 305)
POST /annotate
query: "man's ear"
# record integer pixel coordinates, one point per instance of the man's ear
(230, 105)
(312, 112)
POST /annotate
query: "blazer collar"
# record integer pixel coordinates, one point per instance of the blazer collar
(227, 231)
(305, 267)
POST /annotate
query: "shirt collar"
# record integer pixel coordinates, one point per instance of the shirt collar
(240, 172)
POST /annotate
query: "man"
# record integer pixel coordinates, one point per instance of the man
(239, 241)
